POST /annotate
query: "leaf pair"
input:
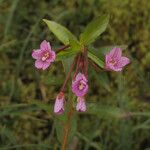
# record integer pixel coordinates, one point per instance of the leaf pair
(91, 32)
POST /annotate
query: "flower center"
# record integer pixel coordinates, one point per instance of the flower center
(81, 86)
(113, 62)
(45, 56)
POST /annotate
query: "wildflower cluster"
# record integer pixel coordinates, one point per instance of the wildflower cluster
(45, 56)
(80, 50)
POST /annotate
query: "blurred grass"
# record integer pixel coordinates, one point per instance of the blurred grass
(108, 125)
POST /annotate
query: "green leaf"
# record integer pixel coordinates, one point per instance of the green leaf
(146, 113)
(60, 123)
(19, 109)
(97, 60)
(145, 125)
(105, 111)
(43, 106)
(62, 33)
(16, 109)
(65, 54)
(98, 54)
(102, 79)
(9, 134)
(67, 64)
(89, 141)
(75, 45)
(66, 119)
(94, 29)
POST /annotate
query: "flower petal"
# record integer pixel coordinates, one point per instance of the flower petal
(80, 79)
(117, 69)
(45, 46)
(38, 64)
(46, 65)
(115, 53)
(79, 76)
(52, 57)
(59, 105)
(123, 61)
(81, 106)
(107, 58)
(37, 54)
(77, 91)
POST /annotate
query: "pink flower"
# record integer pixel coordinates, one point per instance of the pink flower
(80, 85)
(114, 61)
(59, 103)
(81, 106)
(44, 56)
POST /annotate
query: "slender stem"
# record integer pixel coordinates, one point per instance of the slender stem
(67, 125)
(77, 65)
(81, 63)
(68, 76)
(85, 62)
(62, 48)
(94, 66)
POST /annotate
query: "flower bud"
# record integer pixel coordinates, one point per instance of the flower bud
(81, 106)
(59, 103)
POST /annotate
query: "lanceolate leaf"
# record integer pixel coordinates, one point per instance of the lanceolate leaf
(19, 109)
(96, 60)
(75, 45)
(96, 51)
(65, 54)
(62, 33)
(94, 29)
(102, 78)
(105, 111)
(101, 51)
(67, 64)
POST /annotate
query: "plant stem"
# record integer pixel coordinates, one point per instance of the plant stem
(67, 125)
(85, 62)
(68, 75)
(94, 66)
(62, 48)
(77, 65)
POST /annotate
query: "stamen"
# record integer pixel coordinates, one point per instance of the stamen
(113, 62)
(45, 56)
(81, 86)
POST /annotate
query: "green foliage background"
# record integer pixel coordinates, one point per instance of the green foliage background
(118, 117)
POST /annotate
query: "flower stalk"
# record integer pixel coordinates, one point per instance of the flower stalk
(62, 48)
(77, 65)
(68, 76)
(67, 126)
(86, 62)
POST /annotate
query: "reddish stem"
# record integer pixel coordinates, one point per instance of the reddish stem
(62, 48)
(77, 65)
(85, 62)
(68, 76)
(94, 66)
(67, 126)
